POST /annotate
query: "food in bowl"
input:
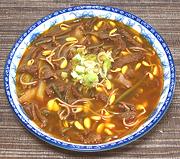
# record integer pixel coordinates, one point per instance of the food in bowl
(89, 80)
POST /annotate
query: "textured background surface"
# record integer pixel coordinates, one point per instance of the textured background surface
(162, 142)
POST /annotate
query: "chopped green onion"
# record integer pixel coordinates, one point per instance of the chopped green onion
(77, 58)
(74, 74)
(80, 69)
(87, 68)
(90, 79)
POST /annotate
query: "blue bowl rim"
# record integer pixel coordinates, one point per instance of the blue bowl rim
(83, 148)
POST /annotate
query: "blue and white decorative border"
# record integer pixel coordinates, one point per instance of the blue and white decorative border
(90, 11)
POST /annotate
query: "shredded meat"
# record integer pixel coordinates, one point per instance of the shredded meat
(70, 55)
(33, 69)
(69, 97)
(69, 92)
(129, 116)
(34, 113)
(75, 92)
(93, 139)
(117, 50)
(47, 73)
(79, 32)
(102, 35)
(57, 33)
(117, 40)
(129, 38)
(106, 26)
(56, 88)
(134, 57)
(130, 113)
(86, 40)
(60, 87)
(102, 97)
(49, 91)
(30, 112)
(88, 26)
(34, 52)
(77, 136)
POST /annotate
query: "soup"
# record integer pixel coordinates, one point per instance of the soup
(89, 80)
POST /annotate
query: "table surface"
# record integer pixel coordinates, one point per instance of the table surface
(162, 142)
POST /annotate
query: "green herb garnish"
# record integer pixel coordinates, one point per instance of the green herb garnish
(88, 68)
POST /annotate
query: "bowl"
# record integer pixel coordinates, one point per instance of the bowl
(90, 11)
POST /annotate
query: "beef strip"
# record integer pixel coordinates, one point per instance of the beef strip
(129, 37)
(128, 114)
(30, 112)
(91, 93)
(95, 50)
(33, 69)
(69, 97)
(116, 51)
(86, 41)
(41, 118)
(35, 52)
(93, 139)
(34, 113)
(95, 46)
(106, 26)
(102, 97)
(69, 92)
(79, 32)
(47, 72)
(123, 60)
(57, 88)
(70, 55)
(64, 52)
(49, 91)
(101, 34)
(44, 46)
(117, 40)
(60, 86)
(58, 32)
(88, 26)
(75, 92)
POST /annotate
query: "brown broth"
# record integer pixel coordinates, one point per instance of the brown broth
(39, 81)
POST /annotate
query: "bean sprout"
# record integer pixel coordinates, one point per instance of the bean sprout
(65, 44)
(48, 59)
(142, 113)
(26, 83)
(129, 124)
(135, 48)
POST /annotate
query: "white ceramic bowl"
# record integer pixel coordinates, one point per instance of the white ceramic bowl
(90, 11)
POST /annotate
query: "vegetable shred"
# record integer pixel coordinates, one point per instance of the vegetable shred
(89, 80)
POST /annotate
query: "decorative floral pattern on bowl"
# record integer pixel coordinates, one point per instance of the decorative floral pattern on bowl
(90, 11)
